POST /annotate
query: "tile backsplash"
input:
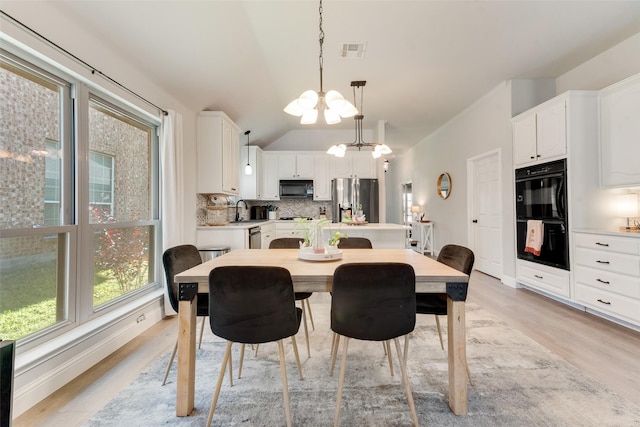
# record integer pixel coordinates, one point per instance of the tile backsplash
(285, 208)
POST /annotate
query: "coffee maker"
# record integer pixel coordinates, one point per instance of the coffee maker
(259, 212)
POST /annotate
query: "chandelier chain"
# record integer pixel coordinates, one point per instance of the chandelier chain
(321, 41)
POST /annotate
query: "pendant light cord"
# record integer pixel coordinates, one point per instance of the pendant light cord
(321, 41)
(93, 70)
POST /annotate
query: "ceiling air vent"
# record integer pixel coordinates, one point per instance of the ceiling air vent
(353, 50)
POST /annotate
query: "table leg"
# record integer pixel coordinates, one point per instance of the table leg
(457, 356)
(185, 383)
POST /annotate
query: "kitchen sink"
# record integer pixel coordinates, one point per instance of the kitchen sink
(248, 221)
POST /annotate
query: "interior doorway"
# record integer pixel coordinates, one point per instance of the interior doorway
(407, 202)
(485, 211)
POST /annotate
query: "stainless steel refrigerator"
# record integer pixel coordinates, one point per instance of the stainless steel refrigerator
(347, 194)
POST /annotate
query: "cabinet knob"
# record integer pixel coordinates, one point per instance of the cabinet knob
(602, 262)
(538, 276)
(604, 302)
(603, 281)
(602, 244)
(475, 221)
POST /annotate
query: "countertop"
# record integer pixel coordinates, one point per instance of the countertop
(332, 226)
(617, 233)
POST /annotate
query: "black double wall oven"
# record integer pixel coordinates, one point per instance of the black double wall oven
(541, 194)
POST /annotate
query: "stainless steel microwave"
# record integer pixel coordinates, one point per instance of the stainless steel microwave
(296, 189)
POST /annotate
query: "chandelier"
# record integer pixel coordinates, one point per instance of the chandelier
(339, 150)
(332, 103)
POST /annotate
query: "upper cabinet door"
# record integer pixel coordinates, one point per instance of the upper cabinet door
(304, 166)
(620, 133)
(540, 134)
(551, 125)
(218, 155)
(524, 139)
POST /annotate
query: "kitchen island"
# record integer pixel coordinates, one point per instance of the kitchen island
(236, 235)
(381, 235)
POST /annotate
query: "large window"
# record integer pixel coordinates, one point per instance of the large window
(79, 202)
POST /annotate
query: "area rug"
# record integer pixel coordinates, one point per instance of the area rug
(517, 382)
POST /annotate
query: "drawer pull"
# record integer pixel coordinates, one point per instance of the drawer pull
(604, 302)
(602, 262)
(602, 244)
(538, 277)
(603, 281)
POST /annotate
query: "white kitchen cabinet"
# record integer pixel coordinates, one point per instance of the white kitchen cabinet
(540, 134)
(218, 154)
(251, 185)
(354, 164)
(295, 166)
(607, 274)
(234, 237)
(289, 229)
(268, 234)
(270, 180)
(321, 177)
(551, 280)
(619, 108)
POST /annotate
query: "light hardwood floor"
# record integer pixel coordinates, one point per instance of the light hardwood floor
(601, 349)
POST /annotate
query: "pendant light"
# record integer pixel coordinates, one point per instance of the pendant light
(332, 104)
(379, 150)
(248, 170)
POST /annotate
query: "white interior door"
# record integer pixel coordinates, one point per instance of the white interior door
(485, 212)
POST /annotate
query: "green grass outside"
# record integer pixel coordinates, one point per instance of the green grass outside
(28, 298)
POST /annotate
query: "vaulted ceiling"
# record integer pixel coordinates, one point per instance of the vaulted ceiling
(424, 62)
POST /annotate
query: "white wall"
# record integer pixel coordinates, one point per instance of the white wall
(483, 127)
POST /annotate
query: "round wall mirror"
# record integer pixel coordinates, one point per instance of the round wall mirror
(444, 185)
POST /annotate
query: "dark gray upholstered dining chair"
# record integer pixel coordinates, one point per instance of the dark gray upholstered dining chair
(176, 260)
(461, 259)
(374, 302)
(294, 243)
(355, 243)
(253, 305)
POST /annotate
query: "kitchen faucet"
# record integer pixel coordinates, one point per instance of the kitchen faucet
(245, 206)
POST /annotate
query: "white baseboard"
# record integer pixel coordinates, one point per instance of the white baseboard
(510, 282)
(75, 354)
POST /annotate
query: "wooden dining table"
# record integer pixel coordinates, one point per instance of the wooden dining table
(317, 276)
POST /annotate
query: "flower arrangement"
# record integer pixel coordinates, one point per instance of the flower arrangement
(335, 238)
(312, 233)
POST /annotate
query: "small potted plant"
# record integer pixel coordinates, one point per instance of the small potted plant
(334, 240)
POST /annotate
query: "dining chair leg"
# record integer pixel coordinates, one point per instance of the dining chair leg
(230, 369)
(285, 386)
(257, 347)
(216, 394)
(384, 348)
(405, 380)
(406, 348)
(173, 355)
(241, 361)
(336, 340)
(439, 331)
(295, 352)
(333, 343)
(306, 331)
(387, 345)
(336, 418)
(201, 331)
(313, 327)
